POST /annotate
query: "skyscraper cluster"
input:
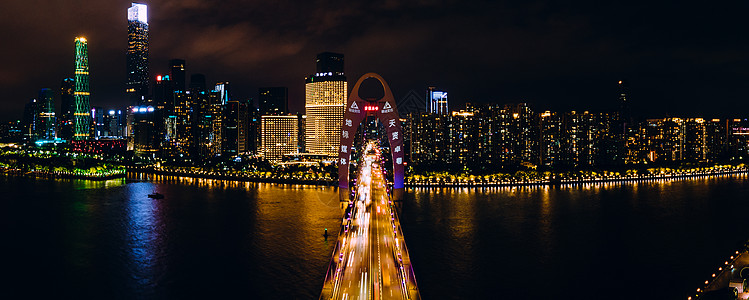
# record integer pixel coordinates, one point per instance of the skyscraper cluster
(178, 117)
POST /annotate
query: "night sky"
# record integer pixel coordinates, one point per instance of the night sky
(681, 58)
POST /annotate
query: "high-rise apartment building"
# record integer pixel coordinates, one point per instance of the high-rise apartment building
(81, 112)
(137, 53)
(325, 94)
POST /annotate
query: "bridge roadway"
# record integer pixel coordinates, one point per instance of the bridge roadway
(370, 260)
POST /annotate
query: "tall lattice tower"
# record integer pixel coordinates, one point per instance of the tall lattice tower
(81, 114)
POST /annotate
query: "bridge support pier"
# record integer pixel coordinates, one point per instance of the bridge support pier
(398, 194)
(344, 195)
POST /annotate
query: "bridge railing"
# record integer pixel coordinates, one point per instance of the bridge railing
(336, 266)
(408, 279)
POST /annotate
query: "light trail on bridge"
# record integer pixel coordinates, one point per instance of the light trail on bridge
(370, 260)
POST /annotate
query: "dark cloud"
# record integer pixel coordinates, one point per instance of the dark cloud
(681, 58)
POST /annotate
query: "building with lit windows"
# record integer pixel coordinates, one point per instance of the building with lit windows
(144, 139)
(30, 120)
(67, 107)
(137, 53)
(279, 136)
(82, 108)
(46, 118)
(273, 100)
(114, 122)
(97, 122)
(429, 138)
(223, 89)
(325, 100)
(234, 123)
(177, 74)
(436, 101)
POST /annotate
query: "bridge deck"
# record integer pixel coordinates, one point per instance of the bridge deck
(370, 260)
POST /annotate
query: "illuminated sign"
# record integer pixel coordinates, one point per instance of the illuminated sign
(138, 12)
(387, 108)
(143, 109)
(370, 108)
(354, 108)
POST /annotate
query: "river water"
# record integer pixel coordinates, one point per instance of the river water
(208, 239)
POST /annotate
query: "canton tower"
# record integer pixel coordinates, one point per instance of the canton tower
(81, 113)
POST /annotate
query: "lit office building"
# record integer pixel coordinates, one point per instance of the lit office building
(223, 88)
(81, 112)
(325, 94)
(114, 122)
(183, 135)
(177, 74)
(273, 100)
(137, 54)
(436, 101)
(279, 136)
(234, 124)
(97, 122)
(30, 120)
(67, 107)
(142, 121)
(46, 115)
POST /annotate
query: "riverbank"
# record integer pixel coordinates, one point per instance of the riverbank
(243, 177)
(480, 182)
(428, 183)
(95, 176)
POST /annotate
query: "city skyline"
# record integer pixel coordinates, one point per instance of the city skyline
(557, 58)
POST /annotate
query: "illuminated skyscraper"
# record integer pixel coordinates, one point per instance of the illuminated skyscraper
(436, 101)
(234, 125)
(324, 105)
(223, 91)
(67, 107)
(81, 112)
(30, 121)
(137, 53)
(47, 120)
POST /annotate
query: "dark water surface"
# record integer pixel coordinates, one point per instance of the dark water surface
(107, 240)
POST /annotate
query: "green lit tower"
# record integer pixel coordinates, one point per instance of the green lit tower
(82, 108)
